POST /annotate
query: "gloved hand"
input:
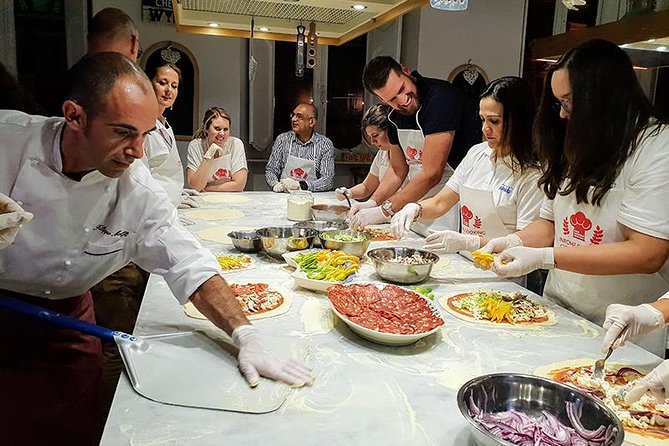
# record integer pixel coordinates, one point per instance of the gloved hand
(255, 360)
(359, 205)
(185, 221)
(451, 241)
(656, 382)
(290, 184)
(367, 217)
(279, 187)
(213, 152)
(520, 260)
(499, 244)
(12, 216)
(188, 202)
(191, 192)
(342, 193)
(639, 320)
(401, 221)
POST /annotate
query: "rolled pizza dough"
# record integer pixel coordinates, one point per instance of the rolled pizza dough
(222, 197)
(214, 214)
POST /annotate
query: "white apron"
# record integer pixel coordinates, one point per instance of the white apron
(220, 170)
(162, 159)
(299, 169)
(412, 143)
(589, 295)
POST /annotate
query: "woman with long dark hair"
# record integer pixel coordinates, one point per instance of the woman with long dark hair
(497, 181)
(604, 151)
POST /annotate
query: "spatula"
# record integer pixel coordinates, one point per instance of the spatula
(598, 371)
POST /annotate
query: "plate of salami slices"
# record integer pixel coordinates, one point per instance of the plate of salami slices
(388, 315)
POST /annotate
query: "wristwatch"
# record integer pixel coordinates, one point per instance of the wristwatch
(387, 207)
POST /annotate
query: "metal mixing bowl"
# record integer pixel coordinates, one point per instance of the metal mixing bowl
(329, 212)
(401, 272)
(358, 248)
(277, 241)
(500, 392)
(320, 226)
(246, 241)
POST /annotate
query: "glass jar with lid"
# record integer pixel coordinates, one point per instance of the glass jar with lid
(299, 205)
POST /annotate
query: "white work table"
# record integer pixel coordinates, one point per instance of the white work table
(364, 393)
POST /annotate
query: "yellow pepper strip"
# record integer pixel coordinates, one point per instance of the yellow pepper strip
(484, 259)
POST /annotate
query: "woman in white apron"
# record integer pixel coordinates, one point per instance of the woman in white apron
(604, 229)
(216, 160)
(374, 134)
(496, 182)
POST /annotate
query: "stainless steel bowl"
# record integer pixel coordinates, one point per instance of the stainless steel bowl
(329, 212)
(320, 226)
(354, 248)
(246, 241)
(401, 272)
(277, 241)
(500, 392)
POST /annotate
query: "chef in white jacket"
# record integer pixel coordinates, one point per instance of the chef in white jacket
(604, 230)
(95, 210)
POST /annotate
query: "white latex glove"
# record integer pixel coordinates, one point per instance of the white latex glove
(12, 216)
(499, 244)
(342, 193)
(191, 192)
(213, 152)
(656, 382)
(279, 187)
(290, 184)
(520, 260)
(367, 217)
(639, 320)
(359, 205)
(402, 220)
(188, 202)
(256, 361)
(185, 221)
(451, 241)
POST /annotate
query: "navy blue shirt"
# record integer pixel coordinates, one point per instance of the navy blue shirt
(443, 108)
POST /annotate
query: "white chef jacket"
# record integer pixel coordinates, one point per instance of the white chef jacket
(517, 197)
(85, 230)
(161, 156)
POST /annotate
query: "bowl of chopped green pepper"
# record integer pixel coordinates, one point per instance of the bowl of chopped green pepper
(349, 241)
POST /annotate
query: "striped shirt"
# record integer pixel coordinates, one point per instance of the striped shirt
(319, 149)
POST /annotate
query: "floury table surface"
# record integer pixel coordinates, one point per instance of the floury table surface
(364, 393)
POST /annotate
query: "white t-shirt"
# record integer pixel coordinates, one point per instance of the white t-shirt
(380, 164)
(644, 180)
(516, 197)
(82, 231)
(233, 149)
(161, 156)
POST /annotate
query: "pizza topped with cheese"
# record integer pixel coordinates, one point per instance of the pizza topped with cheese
(646, 421)
(234, 262)
(498, 307)
(256, 299)
(380, 234)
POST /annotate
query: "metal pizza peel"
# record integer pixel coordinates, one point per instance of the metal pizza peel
(190, 369)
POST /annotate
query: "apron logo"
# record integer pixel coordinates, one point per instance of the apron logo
(414, 155)
(221, 174)
(581, 226)
(298, 174)
(467, 215)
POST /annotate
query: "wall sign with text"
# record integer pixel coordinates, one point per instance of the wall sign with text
(157, 11)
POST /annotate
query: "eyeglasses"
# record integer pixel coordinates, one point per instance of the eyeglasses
(564, 104)
(299, 116)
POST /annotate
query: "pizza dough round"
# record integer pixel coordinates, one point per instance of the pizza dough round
(193, 312)
(223, 197)
(443, 301)
(214, 214)
(219, 234)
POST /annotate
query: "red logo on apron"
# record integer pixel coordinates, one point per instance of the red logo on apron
(221, 174)
(466, 215)
(414, 154)
(581, 226)
(298, 173)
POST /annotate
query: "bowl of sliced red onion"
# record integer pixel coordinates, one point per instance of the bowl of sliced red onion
(514, 409)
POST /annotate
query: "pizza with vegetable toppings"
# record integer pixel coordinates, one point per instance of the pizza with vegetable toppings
(234, 262)
(498, 307)
(380, 234)
(391, 310)
(256, 299)
(646, 422)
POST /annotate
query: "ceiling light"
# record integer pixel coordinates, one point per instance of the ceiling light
(359, 7)
(650, 40)
(263, 29)
(213, 25)
(662, 48)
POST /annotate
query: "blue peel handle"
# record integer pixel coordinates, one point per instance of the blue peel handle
(18, 306)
